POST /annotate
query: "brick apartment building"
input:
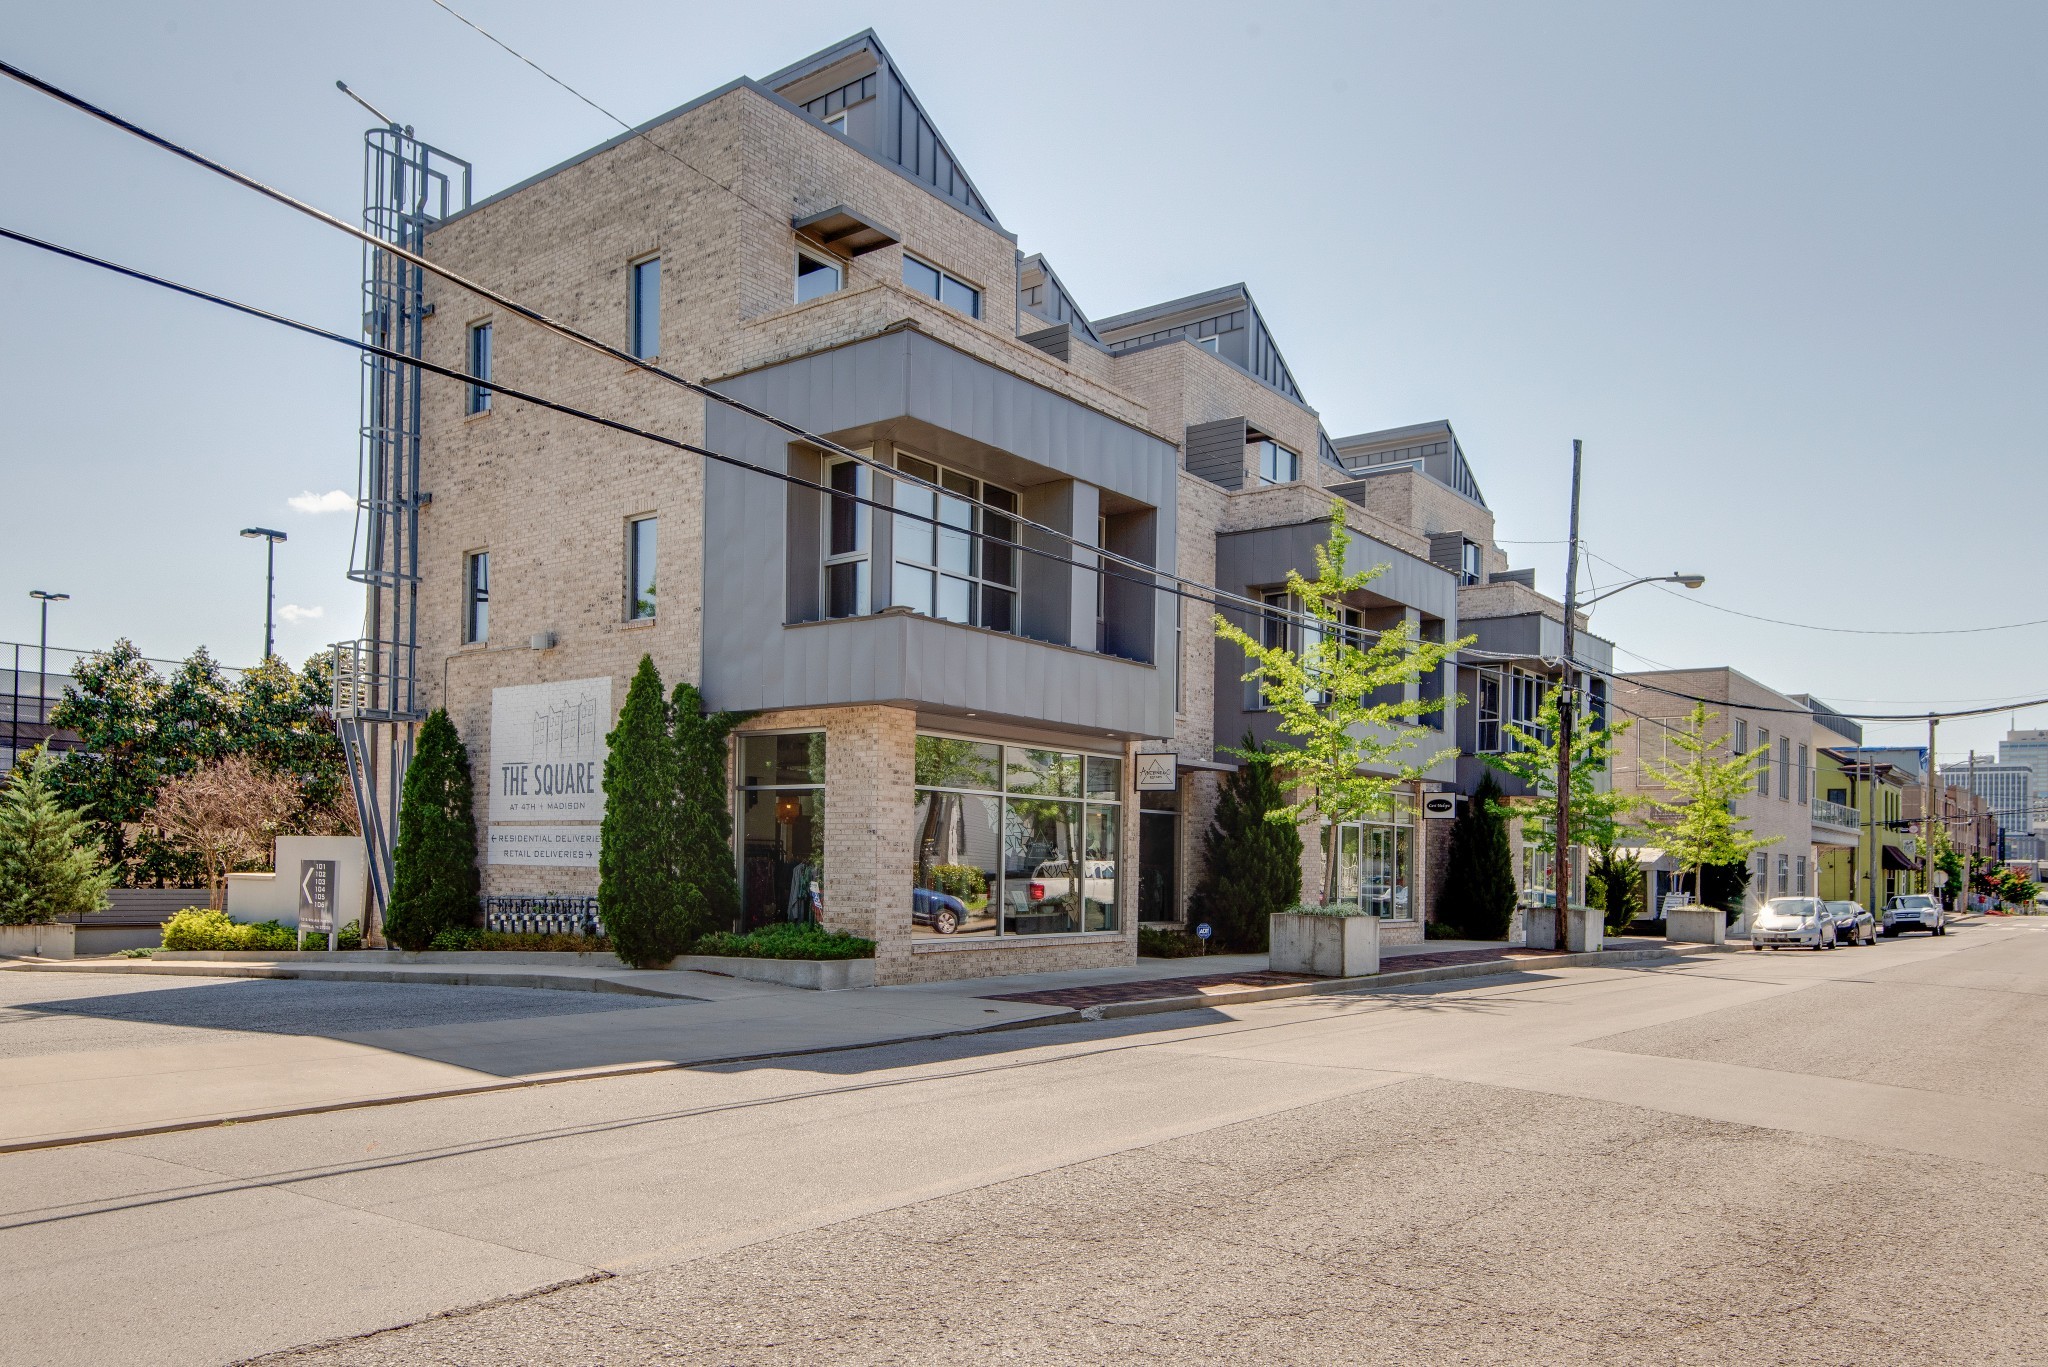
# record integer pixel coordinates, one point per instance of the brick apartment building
(967, 744)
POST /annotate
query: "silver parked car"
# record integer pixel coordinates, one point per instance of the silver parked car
(1802, 921)
(1914, 911)
(1854, 925)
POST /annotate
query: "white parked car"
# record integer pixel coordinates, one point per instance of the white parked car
(1914, 911)
(1804, 922)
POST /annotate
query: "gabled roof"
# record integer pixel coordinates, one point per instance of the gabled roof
(1042, 294)
(1431, 447)
(860, 70)
(1228, 315)
(905, 140)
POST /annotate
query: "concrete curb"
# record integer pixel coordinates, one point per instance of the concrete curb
(1487, 968)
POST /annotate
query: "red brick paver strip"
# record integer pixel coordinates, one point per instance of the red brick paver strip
(1103, 994)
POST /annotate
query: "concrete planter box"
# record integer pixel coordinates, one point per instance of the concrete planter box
(58, 941)
(819, 975)
(1584, 929)
(1696, 925)
(1325, 946)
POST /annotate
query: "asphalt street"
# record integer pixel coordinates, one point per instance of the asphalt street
(1740, 1158)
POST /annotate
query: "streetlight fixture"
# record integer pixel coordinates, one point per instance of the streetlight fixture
(46, 598)
(1568, 703)
(269, 578)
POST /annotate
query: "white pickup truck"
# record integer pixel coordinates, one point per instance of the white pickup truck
(1914, 911)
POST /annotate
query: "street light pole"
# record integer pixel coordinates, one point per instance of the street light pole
(43, 654)
(269, 578)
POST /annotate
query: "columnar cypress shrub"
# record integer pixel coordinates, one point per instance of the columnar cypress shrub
(50, 864)
(648, 914)
(1252, 864)
(702, 843)
(434, 881)
(1478, 896)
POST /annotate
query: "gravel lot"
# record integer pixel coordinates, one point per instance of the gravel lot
(55, 1013)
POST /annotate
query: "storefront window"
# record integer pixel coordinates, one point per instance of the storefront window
(782, 827)
(1159, 856)
(1376, 865)
(1008, 842)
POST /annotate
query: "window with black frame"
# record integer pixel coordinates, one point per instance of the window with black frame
(781, 827)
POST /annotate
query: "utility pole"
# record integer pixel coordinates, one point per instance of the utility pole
(1976, 827)
(1927, 810)
(1567, 709)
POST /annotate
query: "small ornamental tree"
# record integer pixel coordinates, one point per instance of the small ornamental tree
(642, 902)
(2016, 889)
(1478, 894)
(1943, 855)
(1701, 791)
(1251, 863)
(1599, 817)
(50, 864)
(1347, 705)
(224, 814)
(434, 881)
(702, 843)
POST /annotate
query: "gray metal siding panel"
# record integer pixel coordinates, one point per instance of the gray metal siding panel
(1216, 452)
(1448, 548)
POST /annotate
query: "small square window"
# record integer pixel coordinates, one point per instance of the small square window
(1214, 346)
(837, 122)
(815, 278)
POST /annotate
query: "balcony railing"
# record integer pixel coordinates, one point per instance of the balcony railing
(1837, 814)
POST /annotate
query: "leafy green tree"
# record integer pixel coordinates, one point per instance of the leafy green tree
(1347, 705)
(1701, 789)
(702, 843)
(1251, 865)
(1599, 816)
(50, 866)
(1727, 886)
(139, 730)
(1943, 855)
(434, 881)
(1478, 893)
(648, 913)
(2017, 889)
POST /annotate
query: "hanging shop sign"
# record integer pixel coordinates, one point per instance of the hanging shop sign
(1158, 773)
(547, 750)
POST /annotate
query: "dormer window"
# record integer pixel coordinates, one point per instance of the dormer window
(1212, 345)
(837, 123)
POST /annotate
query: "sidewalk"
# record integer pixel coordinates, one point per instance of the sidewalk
(696, 1019)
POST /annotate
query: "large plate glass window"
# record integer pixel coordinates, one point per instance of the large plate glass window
(846, 539)
(781, 827)
(1013, 840)
(1376, 865)
(953, 559)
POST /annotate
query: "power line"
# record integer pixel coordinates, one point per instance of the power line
(1839, 631)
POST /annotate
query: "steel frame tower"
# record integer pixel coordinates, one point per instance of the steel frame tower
(407, 187)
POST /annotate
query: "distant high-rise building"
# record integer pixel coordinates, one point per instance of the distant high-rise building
(2009, 788)
(2031, 749)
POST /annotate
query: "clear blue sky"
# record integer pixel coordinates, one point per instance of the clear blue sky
(1779, 265)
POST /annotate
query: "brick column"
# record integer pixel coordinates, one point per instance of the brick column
(869, 815)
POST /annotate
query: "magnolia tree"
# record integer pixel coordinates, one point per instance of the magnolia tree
(1346, 705)
(1702, 786)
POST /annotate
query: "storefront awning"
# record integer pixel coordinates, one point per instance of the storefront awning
(1898, 861)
